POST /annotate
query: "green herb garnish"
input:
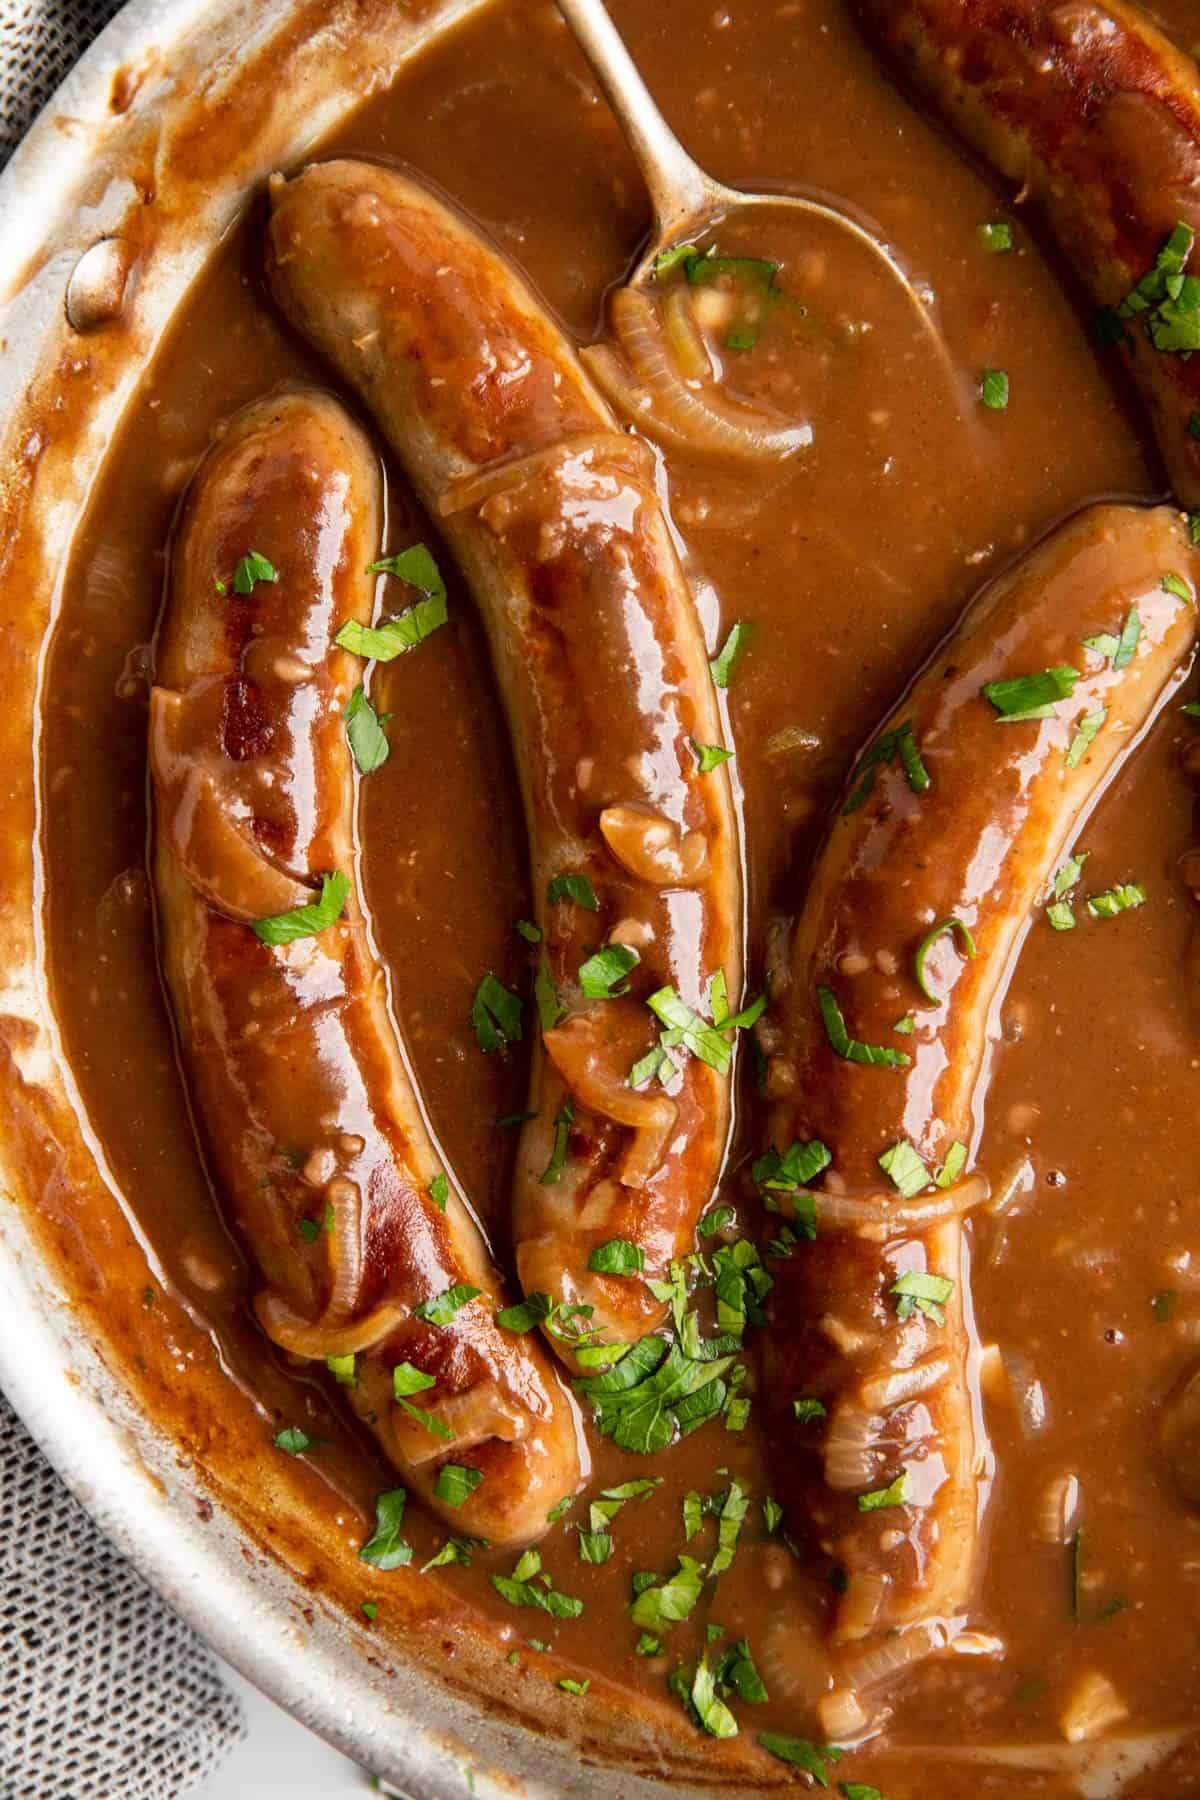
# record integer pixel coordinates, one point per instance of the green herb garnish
(251, 569)
(895, 1494)
(1036, 696)
(840, 1041)
(496, 1015)
(573, 887)
(442, 1308)
(1122, 898)
(602, 976)
(1085, 731)
(711, 756)
(996, 236)
(617, 1257)
(731, 652)
(456, 1483)
(365, 732)
(919, 1291)
(993, 389)
(897, 742)
(386, 1549)
(306, 921)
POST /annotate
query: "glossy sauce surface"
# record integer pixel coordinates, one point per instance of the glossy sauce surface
(851, 562)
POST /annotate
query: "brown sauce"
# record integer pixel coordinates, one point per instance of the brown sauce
(851, 563)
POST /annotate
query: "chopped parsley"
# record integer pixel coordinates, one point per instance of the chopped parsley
(1166, 299)
(952, 1168)
(306, 921)
(496, 1015)
(719, 1219)
(442, 1308)
(617, 1257)
(904, 1168)
(800, 1163)
(370, 1610)
(563, 1121)
(895, 1494)
(696, 1034)
(919, 1291)
(1131, 632)
(407, 1380)
(454, 1550)
(898, 742)
(1085, 731)
(665, 1603)
(1122, 898)
(877, 1055)
(456, 1483)
(439, 1191)
(772, 1515)
(806, 1410)
(1175, 584)
(993, 389)
(931, 937)
(416, 567)
(1162, 1305)
(711, 756)
(709, 1708)
(569, 1685)
(573, 887)
(251, 569)
(293, 1440)
(802, 1754)
(1034, 696)
(385, 1548)
(996, 236)
(342, 1369)
(365, 732)
(859, 1790)
(602, 976)
(667, 261)
(527, 1314)
(519, 1589)
(652, 1392)
(731, 651)
(528, 930)
(550, 1008)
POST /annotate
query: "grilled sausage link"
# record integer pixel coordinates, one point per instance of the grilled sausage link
(957, 814)
(553, 516)
(1090, 111)
(314, 1130)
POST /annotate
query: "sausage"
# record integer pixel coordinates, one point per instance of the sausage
(552, 514)
(1089, 110)
(298, 1081)
(955, 814)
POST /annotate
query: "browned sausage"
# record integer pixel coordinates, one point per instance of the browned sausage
(957, 814)
(553, 515)
(1089, 110)
(299, 1083)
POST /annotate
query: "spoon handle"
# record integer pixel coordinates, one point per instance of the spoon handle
(681, 192)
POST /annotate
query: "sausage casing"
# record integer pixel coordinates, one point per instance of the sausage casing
(553, 516)
(1095, 116)
(970, 831)
(315, 1132)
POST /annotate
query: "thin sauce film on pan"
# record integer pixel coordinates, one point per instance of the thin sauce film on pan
(833, 1281)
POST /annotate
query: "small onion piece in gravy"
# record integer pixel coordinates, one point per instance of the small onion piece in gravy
(649, 388)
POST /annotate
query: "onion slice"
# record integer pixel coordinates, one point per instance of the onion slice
(650, 389)
(320, 1338)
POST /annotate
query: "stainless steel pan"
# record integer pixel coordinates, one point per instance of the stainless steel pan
(107, 213)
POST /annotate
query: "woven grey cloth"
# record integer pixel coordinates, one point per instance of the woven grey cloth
(39, 40)
(104, 1693)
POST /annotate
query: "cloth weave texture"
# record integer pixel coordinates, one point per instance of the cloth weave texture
(39, 42)
(104, 1693)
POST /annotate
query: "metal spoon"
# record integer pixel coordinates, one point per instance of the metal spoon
(686, 200)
